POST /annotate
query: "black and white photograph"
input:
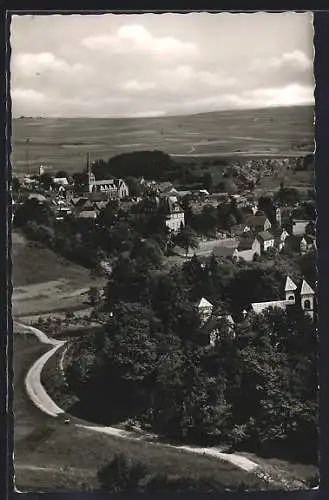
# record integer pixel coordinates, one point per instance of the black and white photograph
(164, 252)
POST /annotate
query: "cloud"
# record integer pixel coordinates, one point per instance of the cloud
(294, 94)
(30, 64)
(136, 38)
(296, 59)
(138, 86)
(186, 75)
(150, 65)
(27, 95)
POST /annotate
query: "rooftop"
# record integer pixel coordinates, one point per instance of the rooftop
(265, 236)
(259, 307)
(306, 289)
(256, 220)
(290, 285)
(245, 244)
(204, 303)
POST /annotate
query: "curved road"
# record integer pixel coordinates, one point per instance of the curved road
(42, 400)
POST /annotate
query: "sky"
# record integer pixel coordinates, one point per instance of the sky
(159, 64)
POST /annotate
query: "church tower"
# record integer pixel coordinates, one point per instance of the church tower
(290, 290)
(307, 299)
(91, 176)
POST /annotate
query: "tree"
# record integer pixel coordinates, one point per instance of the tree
(80, 180)
(207, 181)
(208, 219)
(46, 180)
(135, 187)
(186, 239)
(61, 174)
(15, 184)
(93, 295)
(32, 210)
(147, 251)
(265, 203)
(231, 221)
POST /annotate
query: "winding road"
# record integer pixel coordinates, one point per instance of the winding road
(42, 400)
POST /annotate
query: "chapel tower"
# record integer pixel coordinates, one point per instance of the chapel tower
(307, 299)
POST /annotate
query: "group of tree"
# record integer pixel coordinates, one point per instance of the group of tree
(257, 390)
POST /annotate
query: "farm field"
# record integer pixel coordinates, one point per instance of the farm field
(63, 143)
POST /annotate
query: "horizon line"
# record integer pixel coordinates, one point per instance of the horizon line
(160, 115)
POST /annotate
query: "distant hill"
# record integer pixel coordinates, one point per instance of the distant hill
(64, 142)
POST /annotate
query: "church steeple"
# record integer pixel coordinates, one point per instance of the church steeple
(91, 177)
(290, 290)
(307, 299)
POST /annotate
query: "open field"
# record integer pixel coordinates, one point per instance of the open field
(43, 281)
(63, 143)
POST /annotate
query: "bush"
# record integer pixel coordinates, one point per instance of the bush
(121, 475)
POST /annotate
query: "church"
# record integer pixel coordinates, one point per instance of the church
(301, 295)
(116, 189)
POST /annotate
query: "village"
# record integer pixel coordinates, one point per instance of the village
(241, 227)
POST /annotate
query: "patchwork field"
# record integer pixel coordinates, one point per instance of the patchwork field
(63, 143)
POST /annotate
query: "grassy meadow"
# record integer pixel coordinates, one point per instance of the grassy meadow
(64, 143)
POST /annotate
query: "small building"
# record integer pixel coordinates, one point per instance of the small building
(281, 237)
(175, 218)
(299, 227)
(205, 309)
(36, 196)
(239, 229)
(307, 244)
(85, 209)
(258, 223)
(248, 248)
(225, 252)
(266, 240)
(164, 187)
(300, 244)
(87, 214)
(60, 181)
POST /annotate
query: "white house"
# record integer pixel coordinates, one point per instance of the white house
(175, 218)
(60, 181)
(266, 240)
(281, 238)
(247, 249)
(299, 227)
(205, 309)
(307, 244)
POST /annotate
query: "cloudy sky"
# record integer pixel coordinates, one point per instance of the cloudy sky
(153, 65)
